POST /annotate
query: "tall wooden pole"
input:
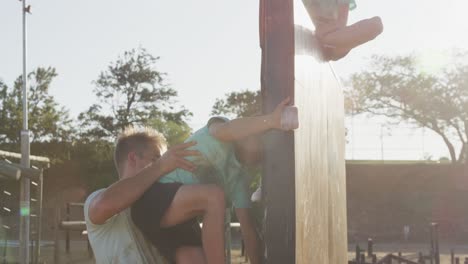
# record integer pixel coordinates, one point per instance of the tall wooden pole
(277, 41)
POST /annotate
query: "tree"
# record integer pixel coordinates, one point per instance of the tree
(175, 133)
(393, 87)
(130, 92)
(238, 104)
(47, 120)
(3, 112)
(96, 163)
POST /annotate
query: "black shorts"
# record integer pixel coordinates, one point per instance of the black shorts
(147, 213)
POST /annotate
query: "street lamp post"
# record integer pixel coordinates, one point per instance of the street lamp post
(24, 250)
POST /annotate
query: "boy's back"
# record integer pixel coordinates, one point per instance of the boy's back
(217, 165)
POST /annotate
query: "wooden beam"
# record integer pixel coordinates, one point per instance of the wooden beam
(305, 42)
(321, 224)
(24, 171)
(73, 225)
(9, 171)
(14, 155)
(277, 40)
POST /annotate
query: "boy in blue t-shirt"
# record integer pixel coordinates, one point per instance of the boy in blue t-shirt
(218, 164)
(226, 147)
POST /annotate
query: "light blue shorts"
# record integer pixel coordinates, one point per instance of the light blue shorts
(326, 8)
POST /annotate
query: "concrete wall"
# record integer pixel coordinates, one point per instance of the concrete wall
(383, 198)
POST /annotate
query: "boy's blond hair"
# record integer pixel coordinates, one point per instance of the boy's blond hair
(138, 140)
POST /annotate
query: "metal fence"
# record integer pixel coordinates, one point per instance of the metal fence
(10, 211)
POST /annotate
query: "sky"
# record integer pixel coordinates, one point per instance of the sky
(210, 47)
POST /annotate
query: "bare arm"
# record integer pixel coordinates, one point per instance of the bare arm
(125, 192)
(247, 126)
(249, 235)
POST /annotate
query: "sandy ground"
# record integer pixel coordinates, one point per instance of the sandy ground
(411, 250)
(80, 255)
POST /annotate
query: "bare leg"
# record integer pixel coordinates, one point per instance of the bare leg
(190, 255)
(349, 37)
(201, 200)
(249, 234)
(338, 39)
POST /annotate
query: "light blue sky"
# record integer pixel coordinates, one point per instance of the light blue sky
(208, 48)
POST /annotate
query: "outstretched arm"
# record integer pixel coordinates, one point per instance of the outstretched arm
(249, 235)
(125, 192)
(243, 127)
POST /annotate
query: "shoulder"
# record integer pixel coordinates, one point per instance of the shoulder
(217, 119)
(214, 124)
(87, 204)
(93, 194)
(206, 130)
(90, 198)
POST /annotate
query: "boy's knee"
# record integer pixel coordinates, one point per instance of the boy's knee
(215, 196)
(190, 255)
(378, 25)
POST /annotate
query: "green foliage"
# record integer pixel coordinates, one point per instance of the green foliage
(238, 104)
(52, 135)
(96, 163)
(175, 133)
(395, 88)
(47, 120)
(130, 92)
